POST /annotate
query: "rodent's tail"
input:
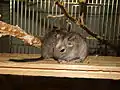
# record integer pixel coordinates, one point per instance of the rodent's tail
(26, 59)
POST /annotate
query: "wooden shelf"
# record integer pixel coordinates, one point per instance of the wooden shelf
(99, 67)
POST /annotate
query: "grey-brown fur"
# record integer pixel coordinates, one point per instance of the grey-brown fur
(63, 45)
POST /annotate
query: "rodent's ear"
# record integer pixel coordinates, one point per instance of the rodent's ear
(72, 38)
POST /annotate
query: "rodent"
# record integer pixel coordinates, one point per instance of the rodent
(62, 45)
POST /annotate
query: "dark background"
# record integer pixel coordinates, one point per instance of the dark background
(12, 82)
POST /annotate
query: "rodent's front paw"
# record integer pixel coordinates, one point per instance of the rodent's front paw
(62, 61)
(70, 61)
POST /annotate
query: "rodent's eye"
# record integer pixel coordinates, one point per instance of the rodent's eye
(62, 50)
(70, 44)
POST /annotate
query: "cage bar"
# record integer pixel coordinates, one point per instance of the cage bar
(102, 17)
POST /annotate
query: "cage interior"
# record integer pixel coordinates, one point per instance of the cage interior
(101, 16)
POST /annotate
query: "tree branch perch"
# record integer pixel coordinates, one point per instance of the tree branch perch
(16, 31)
(84, 27)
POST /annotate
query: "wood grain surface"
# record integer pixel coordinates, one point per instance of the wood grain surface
(103, 67)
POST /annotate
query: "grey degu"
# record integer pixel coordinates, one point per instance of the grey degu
(62, 45)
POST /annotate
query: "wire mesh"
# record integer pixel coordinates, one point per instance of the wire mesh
(102, 17)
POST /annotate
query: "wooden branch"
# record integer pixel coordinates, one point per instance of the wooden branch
(84, 27)
(16, 31)
(3, 34)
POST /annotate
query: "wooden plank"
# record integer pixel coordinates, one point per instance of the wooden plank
(90, 60)
(44, 68)
(61, 73)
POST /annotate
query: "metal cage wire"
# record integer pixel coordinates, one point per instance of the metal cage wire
(103, 18)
